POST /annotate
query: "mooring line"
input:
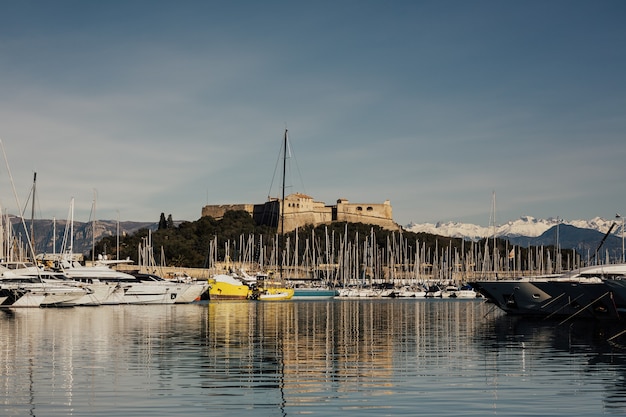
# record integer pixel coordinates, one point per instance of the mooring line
(610, 339)
(553, 300)
(563, 306)
(584, 308)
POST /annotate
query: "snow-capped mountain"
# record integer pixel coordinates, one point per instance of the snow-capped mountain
(524, 226)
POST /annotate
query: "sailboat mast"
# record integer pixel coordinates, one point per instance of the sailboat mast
(282, 212)
(32, 215)
(282, 206)
(71, 251)
(93, 229)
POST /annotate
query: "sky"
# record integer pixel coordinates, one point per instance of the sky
(448, 109)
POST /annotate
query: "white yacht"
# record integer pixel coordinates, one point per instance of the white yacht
(409, 291)
(449, 291)
(185, 289)
(22, 284)
(466, 291)
(129, 289)
(97, 291)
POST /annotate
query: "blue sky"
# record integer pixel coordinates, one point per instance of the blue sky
(154, 106)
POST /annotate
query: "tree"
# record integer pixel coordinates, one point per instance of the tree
(188, 243)
(162, 223)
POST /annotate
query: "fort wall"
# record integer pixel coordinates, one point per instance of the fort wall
(301, 210)
(217, 211)
(368, 213)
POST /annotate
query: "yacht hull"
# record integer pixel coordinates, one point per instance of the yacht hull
(225, 287)
(594, 292)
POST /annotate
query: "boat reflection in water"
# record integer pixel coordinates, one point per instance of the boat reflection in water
(544, 352)
(329, 357)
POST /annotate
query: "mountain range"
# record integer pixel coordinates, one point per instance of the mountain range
(584, 236)
(84, 234)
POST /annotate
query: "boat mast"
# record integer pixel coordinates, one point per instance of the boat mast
(72, 229)
(117, 248)
(282, 208)
(3, 236)
(495, 259)
(93, 229)
(32, 216)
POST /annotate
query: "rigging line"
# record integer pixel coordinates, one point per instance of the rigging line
(269, 194)
(92, 212)
(17, 200)
(66, 241)
(26, 203)
(286, 153)
(297, 168)
(490, 310)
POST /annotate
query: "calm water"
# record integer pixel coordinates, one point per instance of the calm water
(331, 358)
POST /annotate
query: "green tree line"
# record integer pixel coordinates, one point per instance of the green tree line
(187, 244)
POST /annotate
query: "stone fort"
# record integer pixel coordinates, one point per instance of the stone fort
(301, 210)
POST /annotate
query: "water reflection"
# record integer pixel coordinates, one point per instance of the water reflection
(335, 357)
(593, 357)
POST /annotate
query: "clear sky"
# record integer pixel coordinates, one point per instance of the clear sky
(151, 106)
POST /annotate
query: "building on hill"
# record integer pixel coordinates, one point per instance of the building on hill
(217, 211)
(302, 210)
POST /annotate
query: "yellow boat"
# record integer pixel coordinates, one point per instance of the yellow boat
(270, 290)
(228, 287)
(276, 294)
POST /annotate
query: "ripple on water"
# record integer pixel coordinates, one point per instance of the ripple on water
(341, 357)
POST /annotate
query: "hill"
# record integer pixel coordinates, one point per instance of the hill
(583, 236)
(584, 241)
(54, 235)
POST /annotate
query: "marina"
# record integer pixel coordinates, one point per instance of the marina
(199, 272)
(431, 357)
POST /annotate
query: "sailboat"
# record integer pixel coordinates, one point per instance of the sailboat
(23, 284)
(267, 288)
